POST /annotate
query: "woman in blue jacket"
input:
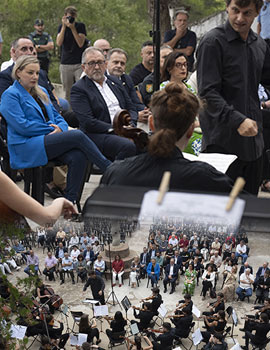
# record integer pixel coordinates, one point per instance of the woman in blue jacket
(36, 132)
(153, 272)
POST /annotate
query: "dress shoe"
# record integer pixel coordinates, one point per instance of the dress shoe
(62, 282)
(165, 290)
(73, 282)
(171, 292)
(242, 329)
(52, 192)
(120, 285)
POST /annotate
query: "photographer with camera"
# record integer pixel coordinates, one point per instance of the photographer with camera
(71, 38)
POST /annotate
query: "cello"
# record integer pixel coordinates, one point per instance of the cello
(55, 300)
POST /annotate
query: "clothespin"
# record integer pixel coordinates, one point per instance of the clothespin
(164, 186)
(237, 188)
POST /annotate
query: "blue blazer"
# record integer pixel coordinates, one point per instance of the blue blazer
(91, 109)
(27, 127)
(156, 269)
(6, 81)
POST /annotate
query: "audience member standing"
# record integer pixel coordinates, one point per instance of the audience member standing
(182, 39)
(263, 26)
(71, 39)
(43, 42)
(231, 62)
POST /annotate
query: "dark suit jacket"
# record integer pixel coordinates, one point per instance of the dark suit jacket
(242, 269)
(90, 106)
(6, 81)
(57, 251)
(147, 258)
(175, 270)
(258, 273)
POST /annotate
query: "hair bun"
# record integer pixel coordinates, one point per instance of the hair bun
(174, 88)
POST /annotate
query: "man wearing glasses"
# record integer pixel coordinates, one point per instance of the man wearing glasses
(43, 42)
(95, 99)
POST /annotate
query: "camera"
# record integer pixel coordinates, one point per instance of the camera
(70, 19)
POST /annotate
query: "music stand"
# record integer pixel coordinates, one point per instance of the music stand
(234, 324)
(126, 304)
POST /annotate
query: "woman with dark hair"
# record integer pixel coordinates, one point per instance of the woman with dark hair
(172, 121)
(175, 70)
(117, 270)
(215, 326)
(90, 329)
(208, 280)
(117, 326)
(81, 268)
(37, 133)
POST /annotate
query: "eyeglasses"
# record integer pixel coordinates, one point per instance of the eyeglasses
(181, 65)
(94, 63)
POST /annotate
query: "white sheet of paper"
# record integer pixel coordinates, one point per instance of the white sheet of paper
(197, 337)
(73, 339)
(90, 301)
(162, 310)
(236, 347)
(134, 328)
(178, 348)
(196, 311)
(234, 317)
(208, 208)
(219, 161)
(82, 338)
(17, 332)
(101, 310)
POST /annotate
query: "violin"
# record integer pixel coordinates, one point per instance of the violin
(122, 127)
(155, 330)
(139, 308)
(55, 299)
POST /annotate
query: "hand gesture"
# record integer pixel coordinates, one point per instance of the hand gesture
(56, 129)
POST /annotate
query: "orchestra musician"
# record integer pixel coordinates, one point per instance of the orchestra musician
(183, 317)
(44, 297)
(250, 319)
(215, 306)
(97, 286)
(165, 340)
(117, 326)
(56, 333)
(214, 326)
(145, 316)
(184, 307)
(89, 328)
(156, 300)
(261, 327)
(216, 342)
(137, 343)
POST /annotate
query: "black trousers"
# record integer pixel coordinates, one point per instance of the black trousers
(250, 171)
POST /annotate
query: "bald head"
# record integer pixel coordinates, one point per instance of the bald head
(103, 45)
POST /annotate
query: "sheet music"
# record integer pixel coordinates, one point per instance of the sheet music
(78, 339)
(206, 207)
(234, 317)
(101, 310)
(134, 328)
(197, 337)
(196, 311)
(236, 347)
(162, 310)
(17, 332)
(219, 161)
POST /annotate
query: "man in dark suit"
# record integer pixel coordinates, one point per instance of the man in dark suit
(260, 272)
(95, 99)
(116, 66)
(171, 274)
(144, 261)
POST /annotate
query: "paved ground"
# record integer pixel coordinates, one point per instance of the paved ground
(73, 294)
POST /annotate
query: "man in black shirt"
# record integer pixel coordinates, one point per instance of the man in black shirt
(145, 316)
(262, 327)
(71, 38)
(231, 61)
(97, 286)
(165, 340)
(182, 39)
(139, 72)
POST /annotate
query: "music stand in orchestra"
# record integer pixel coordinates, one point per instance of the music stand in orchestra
(126, 304)
(92, 302)
(64, 310)
(231, 313)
